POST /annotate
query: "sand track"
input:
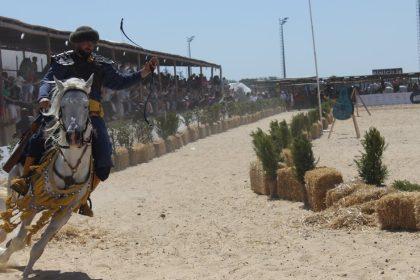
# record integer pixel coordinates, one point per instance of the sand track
(191, 215)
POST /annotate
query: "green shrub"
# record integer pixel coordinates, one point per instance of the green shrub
(266, 152)
(303, 157)
(313, 116)
(326, 107)
(298, 125)
(125, 136)
(370, 166)
(406, 186)
(285, 134)
(188, 116)
(280, 134)
(167, 125)
(143, 132)
(213, 113)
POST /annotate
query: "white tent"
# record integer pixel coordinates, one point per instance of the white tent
(240, 87)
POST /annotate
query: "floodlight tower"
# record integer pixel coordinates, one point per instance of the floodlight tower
(282, 22)
(189, 40)
(418, 31)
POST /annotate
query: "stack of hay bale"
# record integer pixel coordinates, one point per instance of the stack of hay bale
(400, 211)
(257, 178)
(318, 182)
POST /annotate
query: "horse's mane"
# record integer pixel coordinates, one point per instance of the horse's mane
(57, 94)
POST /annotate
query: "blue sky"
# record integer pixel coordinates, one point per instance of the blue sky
(353, 37)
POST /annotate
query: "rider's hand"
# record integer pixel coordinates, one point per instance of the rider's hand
(152, 64)
(44, 104)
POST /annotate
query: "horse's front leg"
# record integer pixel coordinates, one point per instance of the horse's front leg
(57, 222)
(18, 242)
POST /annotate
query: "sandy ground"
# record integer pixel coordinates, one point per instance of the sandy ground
(191, 215)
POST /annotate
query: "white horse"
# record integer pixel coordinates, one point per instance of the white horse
(66, 177)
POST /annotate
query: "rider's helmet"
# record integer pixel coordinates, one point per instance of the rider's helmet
(84, 34)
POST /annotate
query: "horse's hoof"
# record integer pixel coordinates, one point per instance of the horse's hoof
(25, 274)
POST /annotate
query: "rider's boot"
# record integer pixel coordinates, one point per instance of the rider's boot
(85, 209)
(21, 185)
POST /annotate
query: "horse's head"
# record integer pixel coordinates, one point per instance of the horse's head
(70, 106)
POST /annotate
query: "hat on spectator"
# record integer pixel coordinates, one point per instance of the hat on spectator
(84, 34)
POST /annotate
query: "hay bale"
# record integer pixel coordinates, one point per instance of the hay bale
(363, 193)
(179, 141)
(185, 137)
(318, 182)
(136, 154)
(397, 211)
(288, 157)
(214, 128)
(315, 131)
(341, 218)
(337, 193)
(150, 151)
(171, 144)
(141, 153)
(225, 125)
(330, 118)
(288, 186)
(121, 159)
(203, 131)
(257, 178)
(160, 147)
(194, 134)
(325, 123)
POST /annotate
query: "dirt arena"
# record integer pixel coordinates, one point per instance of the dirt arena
(191, 215)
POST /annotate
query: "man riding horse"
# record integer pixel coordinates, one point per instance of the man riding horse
(82, 62)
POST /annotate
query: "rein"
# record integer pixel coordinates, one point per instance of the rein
(152, 81)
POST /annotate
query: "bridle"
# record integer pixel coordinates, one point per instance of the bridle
(69, 180)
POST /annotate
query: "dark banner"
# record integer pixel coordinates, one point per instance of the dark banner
(391, 71)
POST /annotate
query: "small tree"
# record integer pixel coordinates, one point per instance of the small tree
(297, 125)
(188, 117)
(370, 166)
(285, 134)
(167, 125)
(143, 132)
(280, 134)
(267, 154)
(304, 161)
(313, 116)
(125, 137)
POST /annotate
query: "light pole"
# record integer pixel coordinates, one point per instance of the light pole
(316, 61)
(282, 22)
(189, 40)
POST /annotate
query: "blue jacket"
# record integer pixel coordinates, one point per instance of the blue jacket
(70, 65)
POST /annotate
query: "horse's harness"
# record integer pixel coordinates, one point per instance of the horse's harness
(69, 180)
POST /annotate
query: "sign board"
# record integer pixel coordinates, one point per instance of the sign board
(391, 71)
(383, 99)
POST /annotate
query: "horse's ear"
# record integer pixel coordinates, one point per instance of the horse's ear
(59, 84)
(89, 83)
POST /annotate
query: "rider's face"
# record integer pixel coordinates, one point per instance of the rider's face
(86, 47)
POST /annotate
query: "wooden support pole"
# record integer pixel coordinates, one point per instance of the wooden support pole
(141, 85)
(160, 79)
(221, 81)
(356, 126)
(332, 128)
(212, 70)
(48, 41)
(176, 79)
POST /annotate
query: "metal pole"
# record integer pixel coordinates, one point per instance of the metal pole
(283, 54)
(316, 61)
